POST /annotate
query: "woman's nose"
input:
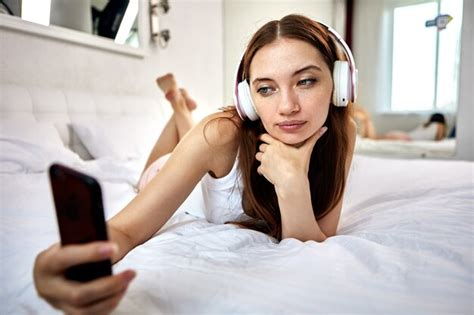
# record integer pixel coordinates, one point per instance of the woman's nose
(288, 102)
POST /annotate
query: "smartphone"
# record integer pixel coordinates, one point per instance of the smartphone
(80, 214)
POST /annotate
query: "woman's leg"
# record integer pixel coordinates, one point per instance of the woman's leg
(366, 127)
(180, 122)
(395, 135)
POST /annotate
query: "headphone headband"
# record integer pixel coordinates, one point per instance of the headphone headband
(350, 59)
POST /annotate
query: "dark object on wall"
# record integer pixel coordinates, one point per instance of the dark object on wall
(111, 17)
(157, 8)
(441, 21)
(10, 7)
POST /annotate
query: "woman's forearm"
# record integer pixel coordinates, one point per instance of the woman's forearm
(297, 216)
(122, 240)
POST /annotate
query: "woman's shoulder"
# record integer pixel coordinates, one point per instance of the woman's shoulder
(221, 128)
(218, 136)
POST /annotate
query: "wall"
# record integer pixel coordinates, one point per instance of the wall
(465, 127)
(243, 17)
(370, 51)
(195, 49)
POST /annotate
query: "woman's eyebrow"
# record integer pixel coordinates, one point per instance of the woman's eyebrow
(257, 80)
(309, 67)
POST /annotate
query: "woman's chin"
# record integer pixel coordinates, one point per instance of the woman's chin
(292, 140)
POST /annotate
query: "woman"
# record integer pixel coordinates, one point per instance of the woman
(432, 130)
(292, 162)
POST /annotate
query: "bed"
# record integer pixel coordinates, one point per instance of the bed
(444, 149)
(404, 243)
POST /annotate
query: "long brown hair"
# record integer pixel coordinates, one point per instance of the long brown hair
(327, 172)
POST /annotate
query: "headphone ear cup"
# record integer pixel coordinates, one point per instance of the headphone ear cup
(342, 84)
(245, 101)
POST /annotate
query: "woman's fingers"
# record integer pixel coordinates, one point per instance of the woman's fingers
(265, 137)
(82, 294)
(51, 284)
(98, 296)
(71, 255)
(105, 306)
(77, 294)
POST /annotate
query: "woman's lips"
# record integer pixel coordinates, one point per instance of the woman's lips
(291, 125)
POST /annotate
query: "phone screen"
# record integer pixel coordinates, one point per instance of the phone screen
(80, 214)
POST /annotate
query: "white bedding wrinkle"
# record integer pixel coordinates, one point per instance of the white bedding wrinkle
(404, 245)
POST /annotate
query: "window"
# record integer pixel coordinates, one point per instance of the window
(37, 11)
(425, 61)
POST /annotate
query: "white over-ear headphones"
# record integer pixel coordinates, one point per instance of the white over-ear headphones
(344, 77)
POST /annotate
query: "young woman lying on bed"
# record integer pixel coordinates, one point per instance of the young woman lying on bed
(432, 130)
(289, 165)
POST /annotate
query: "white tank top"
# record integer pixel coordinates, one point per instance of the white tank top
(422, 133)
(223, 197)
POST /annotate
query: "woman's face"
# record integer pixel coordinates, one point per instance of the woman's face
(291, 87)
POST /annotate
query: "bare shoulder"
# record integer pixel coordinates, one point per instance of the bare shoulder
(217, 129)
(215, 140)
(221, 128)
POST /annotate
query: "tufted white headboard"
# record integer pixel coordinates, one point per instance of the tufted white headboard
(63, 107)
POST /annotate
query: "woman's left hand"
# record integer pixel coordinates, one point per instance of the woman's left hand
(281, 164)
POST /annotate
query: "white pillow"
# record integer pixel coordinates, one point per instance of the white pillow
(123, 138)
(31, 147)
(40, 133)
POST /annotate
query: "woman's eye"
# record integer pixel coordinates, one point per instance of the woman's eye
(264, 90)
(306, 82)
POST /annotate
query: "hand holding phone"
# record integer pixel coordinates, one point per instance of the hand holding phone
(80, 215)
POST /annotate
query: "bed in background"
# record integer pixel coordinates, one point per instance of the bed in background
(404, 243)
(418, 149)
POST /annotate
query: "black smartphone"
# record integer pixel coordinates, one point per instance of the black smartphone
(80, 214)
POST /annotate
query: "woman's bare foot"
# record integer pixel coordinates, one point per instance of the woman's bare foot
(190, 103)
(167, 84)
(175, 96)
(180, 101)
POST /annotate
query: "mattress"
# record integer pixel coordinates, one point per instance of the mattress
(404, 245)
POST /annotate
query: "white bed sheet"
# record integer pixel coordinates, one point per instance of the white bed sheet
(405, 245)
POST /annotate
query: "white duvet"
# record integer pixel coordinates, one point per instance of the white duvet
(404, 245)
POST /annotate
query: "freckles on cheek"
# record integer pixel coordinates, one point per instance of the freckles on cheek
(323, 118)
(266, 125)
(321, 115)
